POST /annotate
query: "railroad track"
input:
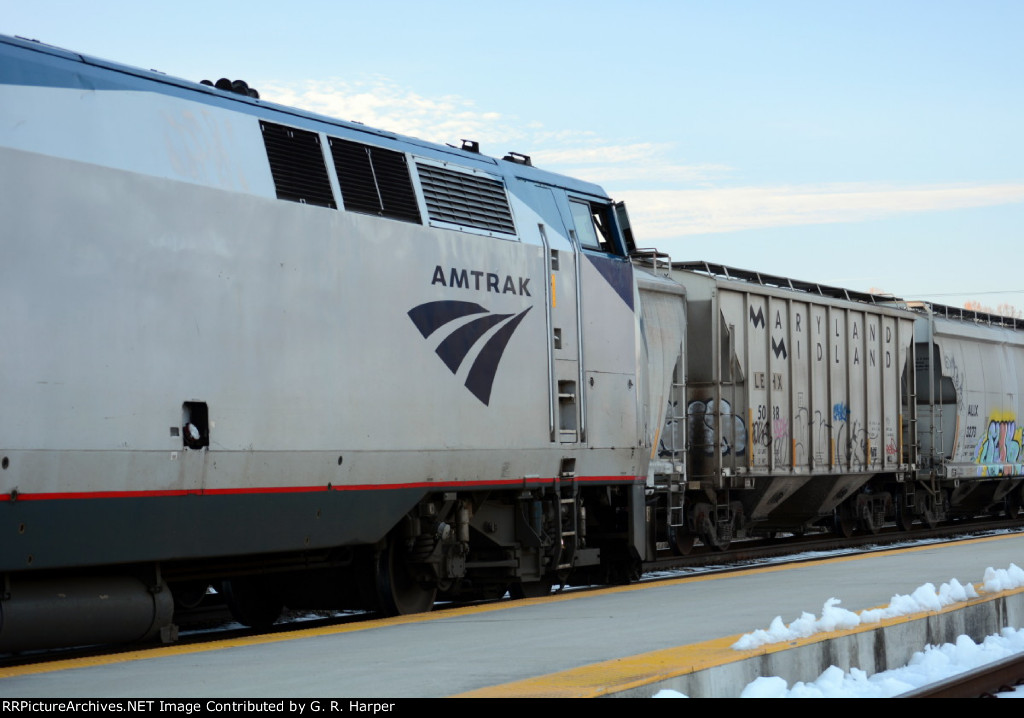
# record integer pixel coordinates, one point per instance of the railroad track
(983, 682)
(760, 549)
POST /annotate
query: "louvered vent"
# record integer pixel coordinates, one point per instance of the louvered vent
(465, 199)
(374, 181)
(297, 164)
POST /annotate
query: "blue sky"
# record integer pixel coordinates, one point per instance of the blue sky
(865, 144)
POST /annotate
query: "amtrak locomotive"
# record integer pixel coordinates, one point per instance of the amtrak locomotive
(316, 364)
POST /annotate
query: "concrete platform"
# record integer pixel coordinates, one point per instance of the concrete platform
(628, 640)
(714, 669)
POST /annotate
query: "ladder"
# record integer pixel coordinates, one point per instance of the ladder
(568, 516)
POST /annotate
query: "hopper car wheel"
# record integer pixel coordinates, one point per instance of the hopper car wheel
(904, 516)
(682, 542)
(928, 517)
(869, 525)
(1011, 509)
(715, 541)
(931, 513)
(715, 536)
(255, 601)
(843, 521)
(399, 592)
(718, 537)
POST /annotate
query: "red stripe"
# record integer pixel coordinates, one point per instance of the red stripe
(307, 489)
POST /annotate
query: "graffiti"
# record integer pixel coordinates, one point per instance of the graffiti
(890, 446)
(996, 470)
(780, 433)
(801, 422)
(760, 434)
(857, 450)
(874, 442)
(840, 412)
(701, 416)
(670, 444)
(780, 428)
(956, 376)
(761, 431)
(1001, 444)
(823, 431)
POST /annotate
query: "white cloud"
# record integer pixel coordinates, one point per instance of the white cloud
(384, 104)
(600, 153)
(605, 162)
(673, 213)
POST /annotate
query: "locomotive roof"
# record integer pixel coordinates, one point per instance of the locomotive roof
(100, 74)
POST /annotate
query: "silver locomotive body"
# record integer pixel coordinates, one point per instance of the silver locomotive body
(235, 331)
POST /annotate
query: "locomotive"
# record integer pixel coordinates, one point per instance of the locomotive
(316, 364)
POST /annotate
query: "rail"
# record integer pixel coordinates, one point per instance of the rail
(982, 682)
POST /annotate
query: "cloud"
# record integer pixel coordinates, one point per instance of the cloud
(380, 102)
(601, 153)
(674, 213)
(607, 162)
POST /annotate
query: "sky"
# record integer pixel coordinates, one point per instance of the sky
(861, 144)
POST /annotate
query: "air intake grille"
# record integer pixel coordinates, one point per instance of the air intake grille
(297, 164)
(374, 181)
(465, 199)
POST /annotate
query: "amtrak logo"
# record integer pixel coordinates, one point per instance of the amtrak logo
(431, 316)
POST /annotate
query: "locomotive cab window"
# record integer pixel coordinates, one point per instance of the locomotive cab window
(595, 227)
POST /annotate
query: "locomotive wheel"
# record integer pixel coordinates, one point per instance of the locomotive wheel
(398, 591)
(189, 595)
(254, 601)
(531, 589)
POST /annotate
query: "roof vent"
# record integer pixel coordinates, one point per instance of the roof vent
(519, 159)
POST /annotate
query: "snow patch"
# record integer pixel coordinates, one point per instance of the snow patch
(925, 598)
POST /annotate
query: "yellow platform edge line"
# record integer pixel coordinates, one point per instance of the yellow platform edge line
(621, 674)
